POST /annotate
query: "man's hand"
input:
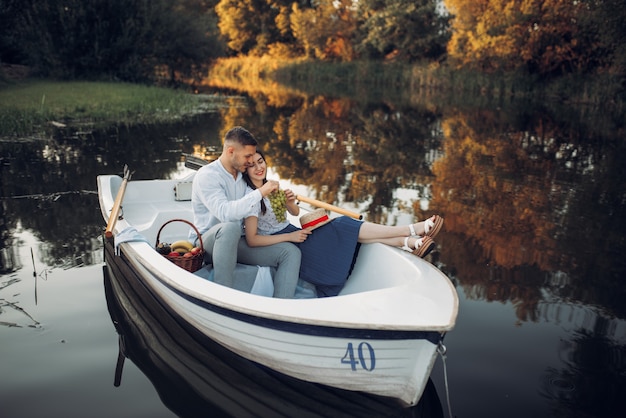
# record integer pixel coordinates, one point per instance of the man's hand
(269, 187)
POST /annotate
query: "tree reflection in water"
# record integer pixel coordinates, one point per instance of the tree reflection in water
(592, 383)
(533, 197)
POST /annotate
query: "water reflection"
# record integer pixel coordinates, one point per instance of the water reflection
(533, 197)
(592, 381)
(48, 184)
(345, 151)
(592, 376)
(529, 198)
(540, 197)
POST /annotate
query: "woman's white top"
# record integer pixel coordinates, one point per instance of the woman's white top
(267, 223)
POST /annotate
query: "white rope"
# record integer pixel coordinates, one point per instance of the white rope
(441, 349)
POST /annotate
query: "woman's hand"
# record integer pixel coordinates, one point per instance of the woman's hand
(290, 195)
(292, 206)
(299, 236)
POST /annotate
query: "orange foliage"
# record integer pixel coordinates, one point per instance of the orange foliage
(543, 35)
(477, 181)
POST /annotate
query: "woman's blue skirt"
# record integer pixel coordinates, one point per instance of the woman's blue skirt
(328, 254)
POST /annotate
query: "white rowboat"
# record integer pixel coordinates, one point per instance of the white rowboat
(379, 335)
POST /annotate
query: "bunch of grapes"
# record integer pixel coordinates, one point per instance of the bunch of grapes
(279, 204)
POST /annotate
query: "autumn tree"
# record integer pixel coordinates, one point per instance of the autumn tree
(410, 30)
(542, 36)
(326, 30)
(254, 26)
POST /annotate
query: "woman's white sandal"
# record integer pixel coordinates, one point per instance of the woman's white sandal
(412, 231)
(432, 226)
(423, 246)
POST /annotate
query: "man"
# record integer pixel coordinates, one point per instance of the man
(219, 204)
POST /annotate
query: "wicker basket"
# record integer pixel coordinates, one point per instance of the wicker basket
(191, 264)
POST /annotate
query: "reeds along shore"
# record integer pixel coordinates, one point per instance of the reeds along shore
(415, 80)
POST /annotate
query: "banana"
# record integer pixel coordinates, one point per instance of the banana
(181, 245)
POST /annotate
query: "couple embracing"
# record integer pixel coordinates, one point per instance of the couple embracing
(234, 188)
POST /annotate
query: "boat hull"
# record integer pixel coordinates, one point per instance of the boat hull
(195, 376)
(389, 363)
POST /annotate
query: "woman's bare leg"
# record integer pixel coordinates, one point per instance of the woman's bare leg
(371, 232)
(394, 242)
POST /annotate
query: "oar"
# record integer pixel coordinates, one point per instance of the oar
(115, 211)
(328, 206)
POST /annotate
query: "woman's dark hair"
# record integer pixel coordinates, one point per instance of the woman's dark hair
(248, 180)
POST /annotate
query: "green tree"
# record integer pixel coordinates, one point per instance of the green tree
(609, 19)
(9, 43)
(132, 40)
(410, 30)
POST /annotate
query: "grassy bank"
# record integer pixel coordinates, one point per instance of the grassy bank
(31, 106)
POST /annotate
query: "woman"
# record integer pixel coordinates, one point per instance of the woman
(328, 253)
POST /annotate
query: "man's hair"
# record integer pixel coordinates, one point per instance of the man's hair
(241, 136)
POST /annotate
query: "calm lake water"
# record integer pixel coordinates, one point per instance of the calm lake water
(534, 199)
